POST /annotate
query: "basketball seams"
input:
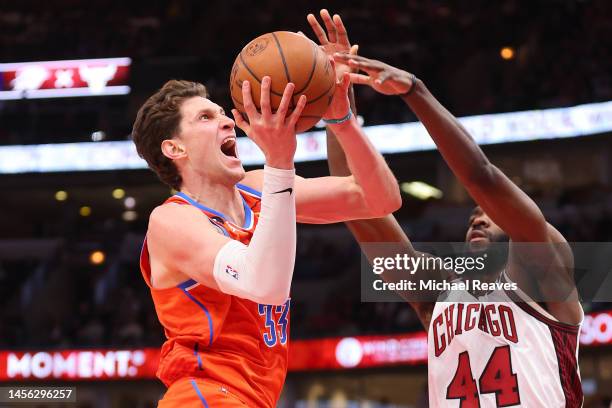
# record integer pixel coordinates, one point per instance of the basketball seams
(313, 78)
(315, 48)
(322, 95)
(236, 101)
(282, 55)
(250, 71)
(248, 68)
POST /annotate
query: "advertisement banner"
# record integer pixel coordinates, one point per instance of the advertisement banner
(59, 79)
(358, 352)
(596, 329)
(78, 364)
(339, 353)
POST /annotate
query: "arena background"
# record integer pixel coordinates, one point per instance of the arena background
(74, 309)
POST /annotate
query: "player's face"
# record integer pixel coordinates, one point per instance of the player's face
(209, 139)
(482, 231)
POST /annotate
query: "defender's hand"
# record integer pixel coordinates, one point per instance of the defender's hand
(381, 77)
(274, 133)
(335, 40)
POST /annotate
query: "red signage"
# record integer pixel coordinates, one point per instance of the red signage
(324, 354)
(79, 364)
(358, 352)
(596, 329)
(55, 79)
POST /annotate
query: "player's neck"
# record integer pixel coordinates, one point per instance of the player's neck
(220, 197)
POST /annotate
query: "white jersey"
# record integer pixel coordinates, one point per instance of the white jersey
(493, 352)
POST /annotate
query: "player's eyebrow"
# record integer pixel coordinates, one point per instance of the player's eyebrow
(201, 111)
(221, 111)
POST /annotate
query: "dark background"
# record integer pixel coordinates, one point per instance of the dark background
(51, 296)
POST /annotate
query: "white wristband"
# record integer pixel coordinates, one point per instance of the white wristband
(277, 178)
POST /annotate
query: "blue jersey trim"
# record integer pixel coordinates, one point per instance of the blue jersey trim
(249, 189)
(197, 302)
(186, 284)
(247, 209)
(197, 390)
(247, 214)
(200, 206)
(197, 354)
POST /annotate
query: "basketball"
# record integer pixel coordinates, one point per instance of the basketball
(285, 57)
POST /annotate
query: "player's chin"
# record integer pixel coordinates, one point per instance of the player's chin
(234, 170)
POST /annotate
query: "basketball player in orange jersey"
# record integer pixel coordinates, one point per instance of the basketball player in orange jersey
(219, 255)
(492, 348)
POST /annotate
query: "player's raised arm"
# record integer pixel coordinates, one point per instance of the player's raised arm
(370, 190)
(381, 230)
(549, 266)
(500, 198)
(182, 237)
(376, 230)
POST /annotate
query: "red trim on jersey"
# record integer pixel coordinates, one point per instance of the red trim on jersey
(527, 308)
(566, 347)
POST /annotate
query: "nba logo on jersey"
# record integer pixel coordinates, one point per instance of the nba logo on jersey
(231, 272)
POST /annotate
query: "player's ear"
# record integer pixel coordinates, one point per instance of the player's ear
(173, 149)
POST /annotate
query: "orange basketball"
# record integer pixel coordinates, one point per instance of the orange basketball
(285, 57)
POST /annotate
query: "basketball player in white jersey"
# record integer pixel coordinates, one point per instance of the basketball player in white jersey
(491, 348)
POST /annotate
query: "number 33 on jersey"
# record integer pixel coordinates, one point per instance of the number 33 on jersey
(275, 323)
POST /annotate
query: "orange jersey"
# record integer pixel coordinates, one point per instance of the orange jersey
(227, 340)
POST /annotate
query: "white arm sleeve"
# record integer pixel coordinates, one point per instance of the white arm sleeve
(262, 271)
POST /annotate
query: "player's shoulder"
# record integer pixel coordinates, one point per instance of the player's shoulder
(171, 218)
(170, 211)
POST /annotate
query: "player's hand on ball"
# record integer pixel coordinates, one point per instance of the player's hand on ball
(381, 77)
(335, 40)
(274, 133)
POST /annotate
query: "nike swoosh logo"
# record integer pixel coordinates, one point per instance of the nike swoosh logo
(287, 190)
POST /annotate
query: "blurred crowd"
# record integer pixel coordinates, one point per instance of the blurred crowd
(560, 55)
(53, 296)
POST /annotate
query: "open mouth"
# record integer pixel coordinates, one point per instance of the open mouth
(228, 147)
